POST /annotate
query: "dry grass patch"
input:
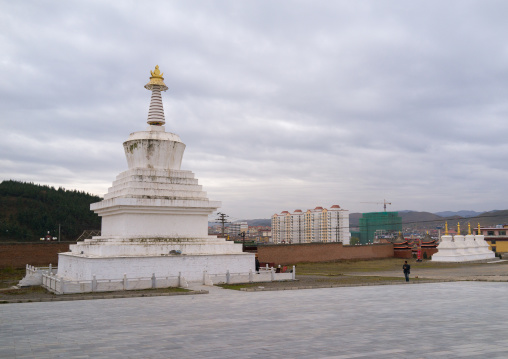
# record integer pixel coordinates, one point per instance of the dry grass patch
(10, 276)
(365, 266)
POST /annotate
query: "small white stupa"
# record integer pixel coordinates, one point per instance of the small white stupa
(154, 217)
(483, 246)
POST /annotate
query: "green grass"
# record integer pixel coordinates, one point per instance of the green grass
(11, 273)
(26, 291)
(10, 276)
(359, 266)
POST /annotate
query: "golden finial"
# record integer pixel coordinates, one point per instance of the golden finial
(479, 231)
(458, 228)
(156, 80)
(157, 72)
(468, 228)
(446, 228)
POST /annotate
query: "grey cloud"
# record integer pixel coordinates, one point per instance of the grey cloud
(282, 105)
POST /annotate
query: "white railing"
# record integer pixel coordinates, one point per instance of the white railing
(265, 274)
(33, 270)
(61, 286)
(49, 279)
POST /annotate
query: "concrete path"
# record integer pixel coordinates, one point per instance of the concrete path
(438, 320)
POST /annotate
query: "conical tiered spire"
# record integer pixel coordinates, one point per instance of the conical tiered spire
(156, 85)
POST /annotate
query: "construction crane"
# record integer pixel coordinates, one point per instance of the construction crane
(383, 203)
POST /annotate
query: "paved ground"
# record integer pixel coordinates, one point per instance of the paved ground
(437, 320)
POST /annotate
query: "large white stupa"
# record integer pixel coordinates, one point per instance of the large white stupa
(154, 217)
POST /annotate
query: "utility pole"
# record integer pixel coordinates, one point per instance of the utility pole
(242, 234)
(223, 219)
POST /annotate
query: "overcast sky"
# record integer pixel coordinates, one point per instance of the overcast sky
(282, 104)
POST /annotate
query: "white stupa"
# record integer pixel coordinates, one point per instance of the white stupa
(483, 246)
(154, 217)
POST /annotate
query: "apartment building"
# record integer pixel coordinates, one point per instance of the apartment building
(314, 225)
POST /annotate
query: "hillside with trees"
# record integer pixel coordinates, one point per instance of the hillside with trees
(28, 211)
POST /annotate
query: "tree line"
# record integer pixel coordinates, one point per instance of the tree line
(28, 211)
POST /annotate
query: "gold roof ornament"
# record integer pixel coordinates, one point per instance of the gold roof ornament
(157, 72)
(446, 228)
(469, 228)
(156, 80)
(458, 228)
(479, 232)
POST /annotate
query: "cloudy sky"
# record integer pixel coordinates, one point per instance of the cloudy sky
(282, 104)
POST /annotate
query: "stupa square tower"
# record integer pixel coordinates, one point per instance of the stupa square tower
(155, 216)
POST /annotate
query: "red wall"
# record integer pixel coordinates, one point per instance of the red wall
(41, 254)
(18, 255)
(408, 253)
(321, 252)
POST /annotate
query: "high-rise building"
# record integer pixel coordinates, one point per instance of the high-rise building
(378, 222)
(314, 225)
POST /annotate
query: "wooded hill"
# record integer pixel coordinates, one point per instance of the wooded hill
(28, 211)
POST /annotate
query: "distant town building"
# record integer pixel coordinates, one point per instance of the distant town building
(496, 237)
(314, 225)
(238, 227)
(378, 223)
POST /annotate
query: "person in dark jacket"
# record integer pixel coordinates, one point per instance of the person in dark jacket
(257, 263)
(407, 269)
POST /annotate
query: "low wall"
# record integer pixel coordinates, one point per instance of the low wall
(403, 253)
(321, 252)
(408, 253)
(18, 255)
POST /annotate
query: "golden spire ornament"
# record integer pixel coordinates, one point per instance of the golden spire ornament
(468, 228)
(157, 80)
(458, 228)
(156, 110)
(446, 228)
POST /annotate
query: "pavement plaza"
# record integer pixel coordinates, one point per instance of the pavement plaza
(434, 320)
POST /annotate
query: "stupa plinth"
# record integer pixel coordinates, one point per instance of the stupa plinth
(155, 216)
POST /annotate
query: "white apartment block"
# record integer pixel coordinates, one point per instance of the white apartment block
(238, 227)
(314, 225)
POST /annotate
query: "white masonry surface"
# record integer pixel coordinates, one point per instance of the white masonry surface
(154, 217)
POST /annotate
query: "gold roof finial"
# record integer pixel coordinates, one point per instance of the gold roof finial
(479, 231)
(458, 228)
(157, 72)
(446, 228)
(468, 228)
(156, 80)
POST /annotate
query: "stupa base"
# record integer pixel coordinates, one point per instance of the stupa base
(75, 267)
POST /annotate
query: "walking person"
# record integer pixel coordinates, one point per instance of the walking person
(407, 269)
